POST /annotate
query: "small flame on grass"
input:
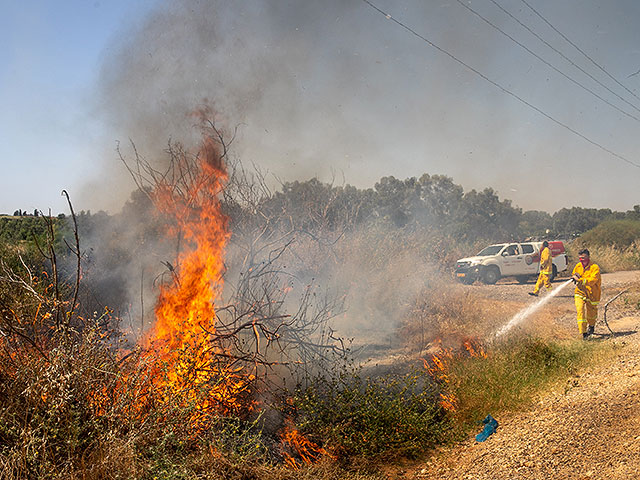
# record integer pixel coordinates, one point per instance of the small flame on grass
(474, 348)
(439, 364)
(308, 451)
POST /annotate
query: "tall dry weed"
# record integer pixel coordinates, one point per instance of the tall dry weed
(610, 258)
(440, 313)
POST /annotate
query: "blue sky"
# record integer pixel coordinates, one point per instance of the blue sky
(325, 88)
(49, 66)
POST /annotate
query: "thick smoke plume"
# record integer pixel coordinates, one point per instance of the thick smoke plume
(257, 63)
(323, 89)
(305, 87)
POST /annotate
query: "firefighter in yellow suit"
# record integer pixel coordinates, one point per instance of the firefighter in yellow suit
(546, 267)
(587, 293)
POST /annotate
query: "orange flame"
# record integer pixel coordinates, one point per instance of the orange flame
(438, 371)
(474, 348)
(307, 450)
(439, 366)
(185, 309)
(182, 338)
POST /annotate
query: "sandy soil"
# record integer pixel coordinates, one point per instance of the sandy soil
(586, 428)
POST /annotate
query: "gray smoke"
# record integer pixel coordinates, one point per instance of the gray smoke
(315, 88)
(330, 88)
(307, 85)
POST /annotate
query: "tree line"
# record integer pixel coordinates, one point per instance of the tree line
(432, 201)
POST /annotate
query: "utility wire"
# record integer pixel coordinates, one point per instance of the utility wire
(578, 48)
(497, 85)
(488, 22)
(564, 56)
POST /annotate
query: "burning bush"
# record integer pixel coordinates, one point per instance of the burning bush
(85, 408)
(79, 393)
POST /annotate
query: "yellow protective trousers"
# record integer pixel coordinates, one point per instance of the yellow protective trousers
(587, 312)
(543, 278)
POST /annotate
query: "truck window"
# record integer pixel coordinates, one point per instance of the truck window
(512, 250)
(490, 250)
(527, 248)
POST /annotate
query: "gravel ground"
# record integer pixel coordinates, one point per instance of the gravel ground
(587, 428)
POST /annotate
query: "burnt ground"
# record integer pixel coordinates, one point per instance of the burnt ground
(585, 428)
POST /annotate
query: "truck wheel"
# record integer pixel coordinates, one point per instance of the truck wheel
(522, 278)
(490, 275)
(554, 273)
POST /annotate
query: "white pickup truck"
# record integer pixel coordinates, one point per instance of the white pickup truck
(520, 260)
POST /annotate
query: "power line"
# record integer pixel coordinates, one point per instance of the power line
(497, 85)
(578, 48)
(564, 56)
(488, 22)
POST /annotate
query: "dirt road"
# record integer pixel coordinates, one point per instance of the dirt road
(587, 428)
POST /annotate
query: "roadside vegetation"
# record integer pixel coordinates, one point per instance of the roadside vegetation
(76, 405)
(511, 376)
(615, 244)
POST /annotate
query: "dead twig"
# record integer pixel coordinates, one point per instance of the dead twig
(76, 252)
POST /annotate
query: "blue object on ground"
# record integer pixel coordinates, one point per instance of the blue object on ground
(490, 425)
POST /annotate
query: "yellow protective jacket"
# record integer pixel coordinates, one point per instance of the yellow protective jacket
(545, 261)
(589, 286)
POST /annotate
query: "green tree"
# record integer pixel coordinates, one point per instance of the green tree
(535, 223)
(484, 216)
(618, 233)
(576, 220)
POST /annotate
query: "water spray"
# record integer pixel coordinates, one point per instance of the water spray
(531, 309)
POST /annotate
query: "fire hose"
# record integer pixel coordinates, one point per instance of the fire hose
(605, 310)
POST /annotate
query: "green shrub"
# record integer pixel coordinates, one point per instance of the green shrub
(610, 258)
(616, 233)
(400, 414)
(389, 415)
(614, 245)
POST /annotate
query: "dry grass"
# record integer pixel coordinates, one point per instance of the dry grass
(610, 258)
(443, 314)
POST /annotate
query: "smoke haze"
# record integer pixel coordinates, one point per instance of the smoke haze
(333, 89)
